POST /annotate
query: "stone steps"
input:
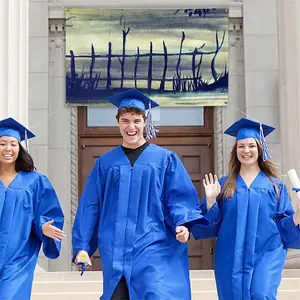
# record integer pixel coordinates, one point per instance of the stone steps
(71, 286)
(200, 295)
(96, 286)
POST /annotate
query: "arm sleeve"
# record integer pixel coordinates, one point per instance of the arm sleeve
(48, 208)
(85, 228)
(290, 233)
(210, 230)
(180, 197)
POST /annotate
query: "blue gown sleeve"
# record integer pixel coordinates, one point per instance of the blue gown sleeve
(85, 228)
(180, 196)
(210, 230)
(48, 208)
(290, 233)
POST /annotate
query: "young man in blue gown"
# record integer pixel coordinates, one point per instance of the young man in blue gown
(137, 206)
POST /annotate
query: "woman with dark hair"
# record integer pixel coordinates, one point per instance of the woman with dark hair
(30, 214)
(254, 220)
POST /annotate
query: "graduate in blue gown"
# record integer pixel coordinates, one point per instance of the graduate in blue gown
(252, 217)
(136, 207)
(30, 214)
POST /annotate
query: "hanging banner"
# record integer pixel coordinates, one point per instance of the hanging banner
(178, 57)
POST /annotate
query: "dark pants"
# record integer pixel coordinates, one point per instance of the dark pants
(121, 291)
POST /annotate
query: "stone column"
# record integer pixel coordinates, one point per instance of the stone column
(289, 91)
(24, 62)
(13, 57)
(3, 59)
(236, 91)
(59, 133)
(262, 68)
(14, 33)
(38, 91)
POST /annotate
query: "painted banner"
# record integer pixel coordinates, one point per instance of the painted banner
(178, 57)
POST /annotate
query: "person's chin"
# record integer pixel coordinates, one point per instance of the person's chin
(248, 162)
(7, 161)
(131, 142)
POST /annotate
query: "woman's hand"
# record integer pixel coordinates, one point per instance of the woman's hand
(182, 234)
(212, 189)
(296, 216)
(53, 232)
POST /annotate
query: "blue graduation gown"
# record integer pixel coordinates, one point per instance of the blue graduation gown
(25, 206)
(253, 233)
(131, 213)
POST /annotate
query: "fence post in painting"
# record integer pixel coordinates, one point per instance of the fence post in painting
(136, 66)
(194, 68)
(163, 79)
(178, 63)
(196, 76)
(73, 67)
(199, 67)
(90, 81)
(125, 33)
(150, 67)
(108, 79)
(218, 47)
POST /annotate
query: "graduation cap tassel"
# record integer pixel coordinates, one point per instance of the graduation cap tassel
(150, 129)
(26, 140)
(265, 152)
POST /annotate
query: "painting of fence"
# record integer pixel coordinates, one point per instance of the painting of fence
(179, 57)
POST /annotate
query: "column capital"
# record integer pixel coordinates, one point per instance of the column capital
(56, 11)
(57, 25)
(235, 24)
(236, 10)
(57, 29)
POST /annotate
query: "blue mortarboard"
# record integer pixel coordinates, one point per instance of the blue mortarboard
(134, 98)
(245, 128)
(10, 127)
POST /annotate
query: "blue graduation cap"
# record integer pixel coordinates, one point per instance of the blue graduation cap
(134, 98)
(245, 128)
(10, 127)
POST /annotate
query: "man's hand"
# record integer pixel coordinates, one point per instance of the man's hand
(83, 257)
(53, 232)
(182, 234)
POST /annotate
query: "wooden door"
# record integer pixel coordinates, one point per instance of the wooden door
(193, 145)
(196, 158)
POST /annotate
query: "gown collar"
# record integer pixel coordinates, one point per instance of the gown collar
(260, 181)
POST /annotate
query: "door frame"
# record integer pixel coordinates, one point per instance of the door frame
(107, 136)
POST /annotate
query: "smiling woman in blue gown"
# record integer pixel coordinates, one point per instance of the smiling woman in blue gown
(30, 214)
(254, 219)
